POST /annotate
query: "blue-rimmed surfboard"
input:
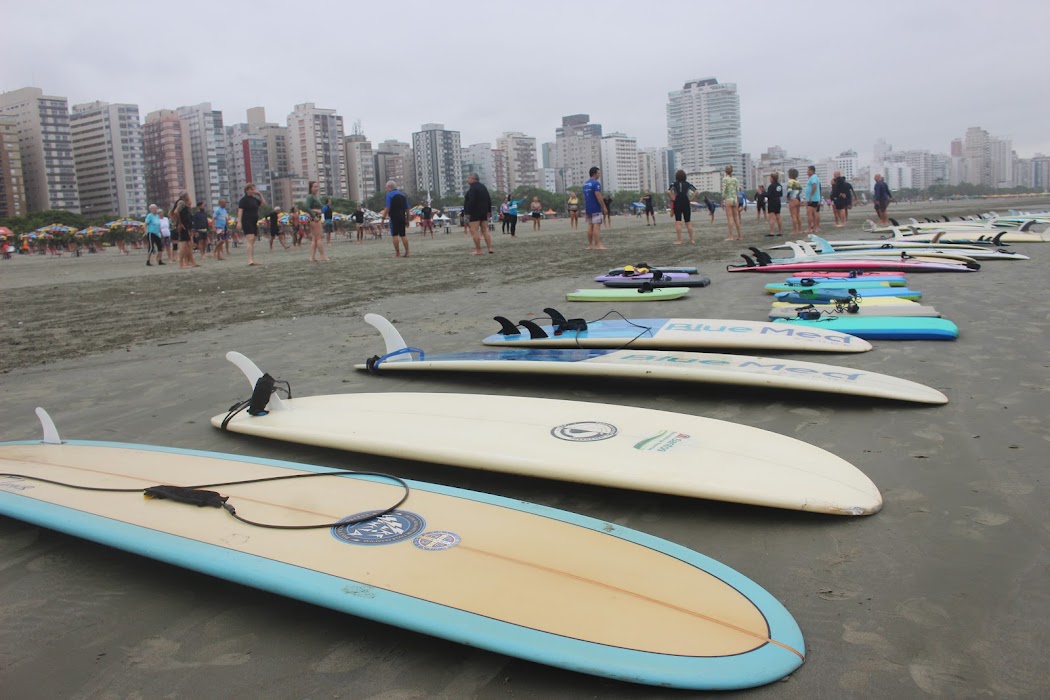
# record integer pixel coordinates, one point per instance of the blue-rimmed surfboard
(861, 310)
(836, 285)
(674, 334)
(589, 443)
(884, 327)
(712, 368)
(494, 573)
(830, 294)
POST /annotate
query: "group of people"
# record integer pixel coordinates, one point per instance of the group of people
(186, 230)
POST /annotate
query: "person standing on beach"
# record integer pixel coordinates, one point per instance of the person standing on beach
(730, 192)
(607, 199)
(574, 211)
(200, 230)
(327, 213)
(794, 197)
(182, 213)
(165, 236)
(881, 198)
(275, 228)
(773, 196)
(813, 200)
(594, 208)
(710, 208)
(536, 209)
(221, 219)
(397, 209)
(840, 198)
(359, 223)
(316, 211)
(477, 207)
(760, 203)
(512, 213)
(156, 245)
(647, 200)
(681, 194)
(248, 217)
(426, 220)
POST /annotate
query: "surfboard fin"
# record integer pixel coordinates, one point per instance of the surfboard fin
(391, 336)
(254, 374)
(535, 332)
(50, 431)
(557, 318)
(507, 328)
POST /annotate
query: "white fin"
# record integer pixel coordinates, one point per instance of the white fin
(391, 337)
(50, 431)
(252, 372)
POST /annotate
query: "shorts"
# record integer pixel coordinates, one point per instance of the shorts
(165, 241)
(649, 210)
(773, 206)
(536, 215)
(251, 228)
(200, 236)
(841, 204)
(155, 243)
(683, 215)
(184, 236)
(813, 205)
(595, 218)
(880, 206)
(761, 206)
(397, 227)
(426, 224)
(477, 217)
(329, 227)
(573, 207)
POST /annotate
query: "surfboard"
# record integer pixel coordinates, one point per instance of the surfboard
(670, 333)
(494, 573)
(591, 443)
(630, 294)
(926, 249)
(714, 368)
(688, 281)
(662, 268)
(818, 295)
(895, 279)
(868, 264)
(885, 328)
(820, 284)
(791, 311)
(642, 277)
(866, 301)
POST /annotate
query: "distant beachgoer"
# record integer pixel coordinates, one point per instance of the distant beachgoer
(327, 213)
(574, 210)
(647, 200)
(397, 209)
(681, 193)
(182, 213)
(710, 208)
(607, 198)
(881, 198)
(813, 200)
(594, 207)
(426, 220)
(773, 197)
(221, 220)
(477, 206)
(504, 214)
(840, 198)
(248, 217)
(316, 211)
(156, 245)
(165, 236)
(200, 230)
(760, 202)
(359, 223)
(537, 213)
(730, 193)
(512, 213)
(794, 197)
(275, 228)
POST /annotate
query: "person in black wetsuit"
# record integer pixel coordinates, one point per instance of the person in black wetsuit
(773, 197)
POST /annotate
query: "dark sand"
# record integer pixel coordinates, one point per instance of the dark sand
(944, 593)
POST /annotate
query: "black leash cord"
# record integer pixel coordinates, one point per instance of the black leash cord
(645, 329)
(221, 501)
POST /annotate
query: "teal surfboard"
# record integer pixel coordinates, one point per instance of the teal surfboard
(884, 327)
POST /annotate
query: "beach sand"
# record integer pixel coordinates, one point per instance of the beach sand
(942, 593)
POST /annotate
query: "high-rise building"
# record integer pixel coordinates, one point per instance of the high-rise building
(521, 159)
(703, 125)
(957, 148)
(109, 159)
(360, 167)
(12, 181)
(208, 153)
(548, 154)
(649, 170)
(169, 160)
(45, 147)
(500, 182)
(848, 164)
(315, 147)
(921, 164)
(620, 163)
(438, 160)
(548, 178)
(478, 158)
(578, 148)
(247, 160)
(977, 162)
(880, 151)
(394, 161)
(1001, 162)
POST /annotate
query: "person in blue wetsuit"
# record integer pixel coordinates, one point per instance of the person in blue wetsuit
(512, 213)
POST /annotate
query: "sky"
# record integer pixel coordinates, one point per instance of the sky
(813, 78)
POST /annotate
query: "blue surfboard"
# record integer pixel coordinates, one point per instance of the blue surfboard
(885, 327)
(824, 296)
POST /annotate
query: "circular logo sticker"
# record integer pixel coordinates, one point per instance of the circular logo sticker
(584, 431)
(436, 540)
(396, 526)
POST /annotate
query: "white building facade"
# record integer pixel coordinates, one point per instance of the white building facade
(109, 158)
(703, 125)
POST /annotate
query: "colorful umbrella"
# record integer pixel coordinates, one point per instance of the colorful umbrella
(125, 224)
(52, 229)
(5, 232)
(93, 231)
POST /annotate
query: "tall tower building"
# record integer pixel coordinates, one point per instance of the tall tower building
(247, 160)
(620, 163)
(315, 147)
(703, 125)
(438, 160)
(394, 160)
(977, 162)
(360, 167)
(649, 169)
(578, 149)
(521, 159)
(12, 181)
(479, 158)
(208, 153)
(847, 163)
(1001, 162)
(109, 157)
(45, 147)
(169, 160)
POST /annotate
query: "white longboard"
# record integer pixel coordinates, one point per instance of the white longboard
(713, 368)
(607, 445)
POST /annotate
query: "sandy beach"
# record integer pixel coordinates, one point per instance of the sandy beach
(942, 594)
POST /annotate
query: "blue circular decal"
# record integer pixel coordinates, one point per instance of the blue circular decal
(436, 540)
(396, 526)
(585, 431)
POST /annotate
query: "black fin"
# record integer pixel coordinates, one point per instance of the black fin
(556, 318)
(535, 332)
(507, 328)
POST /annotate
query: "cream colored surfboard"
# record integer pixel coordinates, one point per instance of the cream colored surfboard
(865, 301)
(602, 444)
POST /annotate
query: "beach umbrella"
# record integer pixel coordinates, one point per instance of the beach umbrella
(93, 231)
(283, 218)
(125, 223)
(6, 232)
(52, 229)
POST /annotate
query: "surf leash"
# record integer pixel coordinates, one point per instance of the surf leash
(201, 497)
(265, 387)
(580, 326)
(372, 363)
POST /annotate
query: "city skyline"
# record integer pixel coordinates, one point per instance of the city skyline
(813, 102)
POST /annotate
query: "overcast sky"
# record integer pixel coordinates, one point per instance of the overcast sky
(814, 78)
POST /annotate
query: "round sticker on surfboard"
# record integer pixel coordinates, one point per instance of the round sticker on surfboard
(585, 431)
(396, 526)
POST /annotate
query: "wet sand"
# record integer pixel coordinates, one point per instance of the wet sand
(943, 593)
